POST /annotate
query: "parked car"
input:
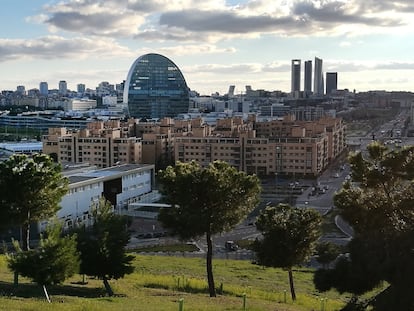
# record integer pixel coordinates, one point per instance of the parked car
(231, 246)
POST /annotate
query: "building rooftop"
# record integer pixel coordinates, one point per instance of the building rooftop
(75, 179)
(22, 147)
(89, 173)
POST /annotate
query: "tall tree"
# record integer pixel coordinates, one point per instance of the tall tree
(52, 262)
(102, 246)
(379, 204)
(327, 252)
(206, 201)
(289, 237)
(31, 189)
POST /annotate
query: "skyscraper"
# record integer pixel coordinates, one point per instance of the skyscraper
(155, 88)
(331, 82)
(295, 79)
(231, 90)
(63, 87)
(43, 88)
(308, 77)
(80, 88)
(318, 87)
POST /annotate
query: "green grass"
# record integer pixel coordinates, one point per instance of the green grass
(168, 248)
(158, 283)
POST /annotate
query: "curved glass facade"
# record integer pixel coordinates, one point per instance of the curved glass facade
(155, 88)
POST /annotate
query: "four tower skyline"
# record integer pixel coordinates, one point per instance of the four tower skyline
(318, 79)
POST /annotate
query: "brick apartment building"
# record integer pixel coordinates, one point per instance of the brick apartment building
(285, 146)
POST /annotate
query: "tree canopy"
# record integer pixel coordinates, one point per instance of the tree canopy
(206, 201)
(31, 189)
(289, 236)
(52, 262)
(379, 204)
(102, 246)
(327, 252)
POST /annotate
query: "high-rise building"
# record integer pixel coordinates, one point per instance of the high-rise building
(318, 87)
(105, 88)
(295, 78)
(331, 82)
(155, 88)
(231, 90)
(119, 88)
(63, 88)
(21, 90)
(43, 88)
(308, 77)
(80, 88)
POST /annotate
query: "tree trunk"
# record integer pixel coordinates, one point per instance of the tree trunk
(26, 233)
(15, 279)
(25, 237)
(107, 287)
(209, 257)
(292, 286)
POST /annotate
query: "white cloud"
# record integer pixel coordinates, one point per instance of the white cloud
(55, 47)
(195, 49)
(186, 20)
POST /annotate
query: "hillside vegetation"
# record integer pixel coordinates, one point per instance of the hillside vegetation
(159, 282)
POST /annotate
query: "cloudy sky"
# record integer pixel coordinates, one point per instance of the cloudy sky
(215, 43)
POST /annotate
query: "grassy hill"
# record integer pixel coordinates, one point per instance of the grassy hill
(159, 282)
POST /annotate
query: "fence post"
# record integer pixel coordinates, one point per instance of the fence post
(323, 304)
(181, 304)
(284, 296)
(244, 301)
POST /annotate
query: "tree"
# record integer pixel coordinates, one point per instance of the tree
(102, 246)
(206, 201)
(31, 189)
(327, 252)
(379, 204)
(289, 237)
(52, 262)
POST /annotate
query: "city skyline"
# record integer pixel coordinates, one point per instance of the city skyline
(215, 43)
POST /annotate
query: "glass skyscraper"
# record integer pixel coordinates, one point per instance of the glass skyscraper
(295, 76)
(331, 82)
(318, 85)
(43, 88)
(155, 88)
(308, 77)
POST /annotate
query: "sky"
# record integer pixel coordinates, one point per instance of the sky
(215, 43)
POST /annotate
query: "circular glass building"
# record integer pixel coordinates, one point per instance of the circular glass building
(155, 88)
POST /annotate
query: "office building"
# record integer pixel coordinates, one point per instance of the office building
(318, 85)
(63, 88)
(295, 77)
(231, 90)
(21, 90)
(43, 88)
(155, 88)
(308, 78)
(105, 88)
(81, 88)
(331, 82)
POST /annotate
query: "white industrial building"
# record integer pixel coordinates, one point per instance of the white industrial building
(121, 185)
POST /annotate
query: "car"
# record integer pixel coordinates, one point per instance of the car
(231, 246)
